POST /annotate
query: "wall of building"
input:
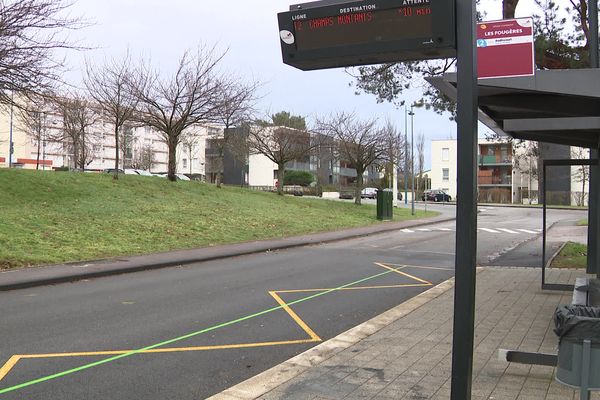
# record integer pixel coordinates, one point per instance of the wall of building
(261, 171)
(444, 159)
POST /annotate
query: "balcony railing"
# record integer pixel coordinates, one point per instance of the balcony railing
(490, 180)
(495, 160)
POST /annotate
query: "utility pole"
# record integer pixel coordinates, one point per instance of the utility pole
(412, 158)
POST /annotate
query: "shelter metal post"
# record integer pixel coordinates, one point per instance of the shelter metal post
(466, 209)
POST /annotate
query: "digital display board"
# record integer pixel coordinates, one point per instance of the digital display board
(329, 34)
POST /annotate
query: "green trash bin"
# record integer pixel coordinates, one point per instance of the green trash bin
(385, 204)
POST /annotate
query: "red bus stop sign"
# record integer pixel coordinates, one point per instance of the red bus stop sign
(505, 48)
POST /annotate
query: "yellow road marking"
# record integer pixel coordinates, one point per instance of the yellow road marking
(166, 350)
(9, 365)
(357, 288)
(12, 361)
(405, 274)
(295, 317)
(421, 267)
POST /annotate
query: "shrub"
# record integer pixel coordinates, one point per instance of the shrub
(302, 178)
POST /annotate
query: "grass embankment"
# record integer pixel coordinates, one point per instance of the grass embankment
(582, 222)
(53, 217)
(573, 255)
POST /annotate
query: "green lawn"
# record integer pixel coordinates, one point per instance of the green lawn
(53, 217)
(573, 255)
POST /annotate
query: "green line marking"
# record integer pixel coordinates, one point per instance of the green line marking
(189, 335)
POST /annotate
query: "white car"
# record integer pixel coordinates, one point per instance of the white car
(369, 193)
(142, 172)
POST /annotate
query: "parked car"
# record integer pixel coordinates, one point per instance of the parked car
(112, 171)
(130, 171)
(346, 195)
(368, 193)
(436, 196)
(182, 177)
(142, 172)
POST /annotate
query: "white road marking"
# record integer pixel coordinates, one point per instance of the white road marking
(407, 231)
(488, 230)
(445, 229)
(507, 230)
(528, 231)
(424, 230)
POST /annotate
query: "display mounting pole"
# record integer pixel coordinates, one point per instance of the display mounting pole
(466, 207)
(593, 260)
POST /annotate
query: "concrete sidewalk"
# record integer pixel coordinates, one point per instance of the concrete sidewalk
(53, 274)
(405, 353)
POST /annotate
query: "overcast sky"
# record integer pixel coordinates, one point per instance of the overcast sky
(163, 30)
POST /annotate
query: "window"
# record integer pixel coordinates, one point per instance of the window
(445, 174)
(184, 161)
(445, 154)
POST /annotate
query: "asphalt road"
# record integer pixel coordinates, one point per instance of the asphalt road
(199, 323)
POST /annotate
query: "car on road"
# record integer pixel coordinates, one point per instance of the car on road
(368, 193)
(435, 196)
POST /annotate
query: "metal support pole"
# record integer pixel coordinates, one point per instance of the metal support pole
(466, 207)
(593, 23)
(405, 155)
(412, 158)
(593, 259)
(11, 146)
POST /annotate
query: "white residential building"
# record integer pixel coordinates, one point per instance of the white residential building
(443, 173)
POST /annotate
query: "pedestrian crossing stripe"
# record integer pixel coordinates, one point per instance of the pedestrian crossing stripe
(513, 231)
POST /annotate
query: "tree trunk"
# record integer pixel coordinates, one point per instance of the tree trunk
(508, 8)
(218, 179)
(172, 166)
(358, 188)
(280, 178)
(116, 174)
(37, 161)
(220, 168)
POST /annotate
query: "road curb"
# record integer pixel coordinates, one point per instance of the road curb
(270, 379)
(72, 272)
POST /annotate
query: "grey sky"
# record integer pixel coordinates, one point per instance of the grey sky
(163, 30)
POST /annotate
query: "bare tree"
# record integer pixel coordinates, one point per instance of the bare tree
(395, 146)
(280, 145)
(110, 86)
(30, 32)
(526, 162)
(191, 145)
(32, 119)
(420, 144)
(361, 143)
(78, 116)
(144, 158)
(188, 98)
(581, 174)
(236, 107)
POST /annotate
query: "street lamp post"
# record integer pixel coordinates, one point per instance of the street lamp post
(405, 155)
(412, 158)
(11, 146)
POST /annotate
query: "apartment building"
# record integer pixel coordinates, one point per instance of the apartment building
(503, 175)
(139, 145)
(509, 173)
